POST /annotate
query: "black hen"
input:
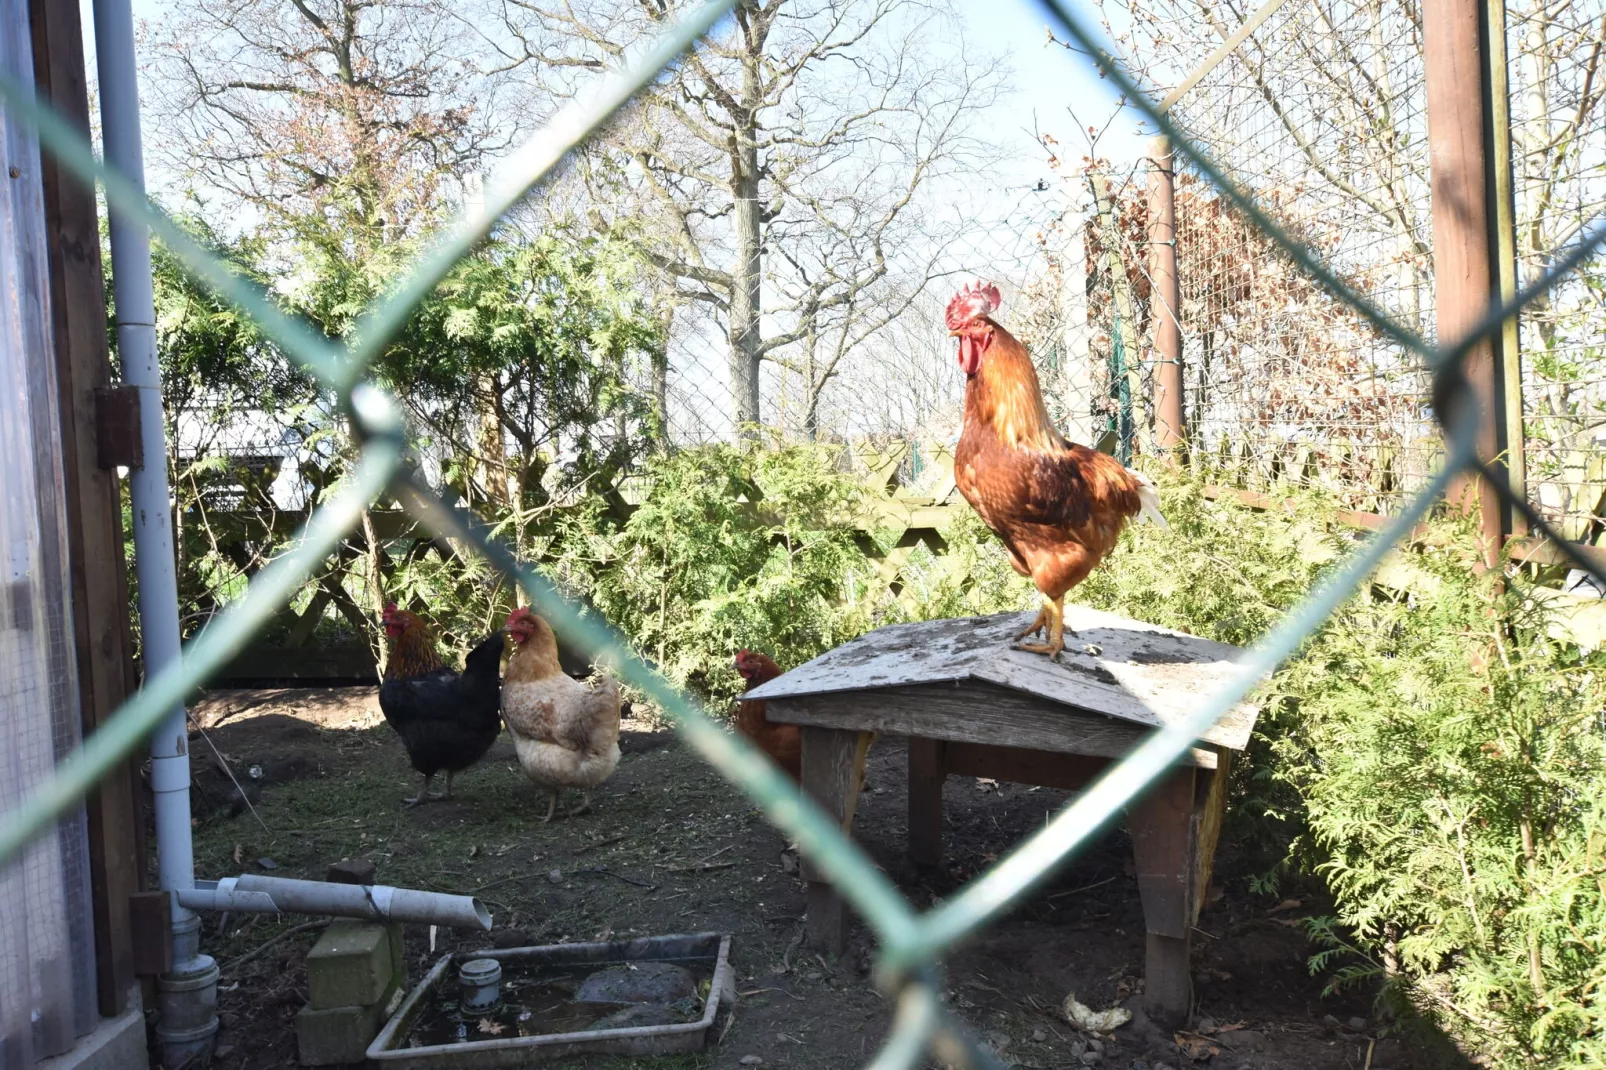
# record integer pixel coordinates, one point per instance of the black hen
(447, 720)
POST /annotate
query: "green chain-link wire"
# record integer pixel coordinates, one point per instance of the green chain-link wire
(911, 944)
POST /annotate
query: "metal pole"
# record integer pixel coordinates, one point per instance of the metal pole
(1465, 283)
(1166, 303)
(188, 994)
(1503, 228)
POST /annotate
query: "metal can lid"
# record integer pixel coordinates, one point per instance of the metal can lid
(480, 971)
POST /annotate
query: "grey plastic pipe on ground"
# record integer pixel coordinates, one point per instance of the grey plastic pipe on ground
(378, 902)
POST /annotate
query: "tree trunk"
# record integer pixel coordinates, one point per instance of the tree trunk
(660, 382)
(748, 271)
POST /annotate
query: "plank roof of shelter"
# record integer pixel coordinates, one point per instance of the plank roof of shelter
(1142, 673)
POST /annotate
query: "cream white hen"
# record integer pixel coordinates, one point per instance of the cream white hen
(566, 732)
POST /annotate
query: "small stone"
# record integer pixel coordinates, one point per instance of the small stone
(1207, 1025)
(223, 1051)
(350, 871)
(1039, 1036)
(267, 863)
(659, 983)
(555, 875)
(1077, 1048)
(1092, 1058)
(751, 1060)
(1247, 1039)
(1330, 1022)
(815, 976)
(1095, 1044)
(1358, 1024)
(999, 1041)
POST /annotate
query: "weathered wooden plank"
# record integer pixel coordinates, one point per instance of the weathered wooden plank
(99, 590)
(971, 713)
(1142, 674)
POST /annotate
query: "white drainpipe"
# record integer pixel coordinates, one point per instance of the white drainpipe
(187, 995)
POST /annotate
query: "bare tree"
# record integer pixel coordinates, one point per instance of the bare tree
(777, 175)
(345, 114)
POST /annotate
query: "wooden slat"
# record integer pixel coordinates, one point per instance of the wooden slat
(971, 713)
(99, 588)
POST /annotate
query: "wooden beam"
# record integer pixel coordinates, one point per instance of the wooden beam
(830, 778)
(1165, 303)
(1465, 284)
(925, 800)
(99, 586)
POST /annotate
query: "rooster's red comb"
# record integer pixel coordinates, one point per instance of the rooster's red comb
(978, 298)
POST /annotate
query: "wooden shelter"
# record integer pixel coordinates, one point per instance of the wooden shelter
(971, 704)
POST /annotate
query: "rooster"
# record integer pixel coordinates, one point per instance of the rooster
(446, 720)
(566, 732)
(1058, 508)
(784, 742)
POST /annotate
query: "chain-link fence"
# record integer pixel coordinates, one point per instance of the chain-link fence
(1364, 273)
(1558, 163)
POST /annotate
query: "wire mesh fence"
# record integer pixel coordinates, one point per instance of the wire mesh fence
(1299, 251)
(1558, 153)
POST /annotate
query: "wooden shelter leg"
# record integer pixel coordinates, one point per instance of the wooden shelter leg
(926, 775)
(828, 777)
(1165, 848)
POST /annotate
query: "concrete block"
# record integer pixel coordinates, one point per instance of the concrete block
(351, 965)
(337, 1035)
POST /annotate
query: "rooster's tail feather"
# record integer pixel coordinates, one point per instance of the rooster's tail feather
(1148, 501)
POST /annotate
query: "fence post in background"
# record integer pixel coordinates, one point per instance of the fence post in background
(1165, 304)
(1465, 281)
(1503, 225)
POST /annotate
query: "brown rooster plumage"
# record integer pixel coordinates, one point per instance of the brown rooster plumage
(1058, 508)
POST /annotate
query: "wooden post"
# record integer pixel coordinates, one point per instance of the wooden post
(1165, 304)
(925, 800)
(1165, 848)
(828, 776)
(1465, 281)
(94, 512)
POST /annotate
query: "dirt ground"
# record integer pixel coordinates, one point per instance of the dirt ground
(669, 847)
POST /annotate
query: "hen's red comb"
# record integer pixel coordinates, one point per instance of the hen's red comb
(975, 299)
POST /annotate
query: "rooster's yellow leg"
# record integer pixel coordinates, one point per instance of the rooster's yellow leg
(552, 806)
(1056, 631)
(585, 805)
(1036, 627)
